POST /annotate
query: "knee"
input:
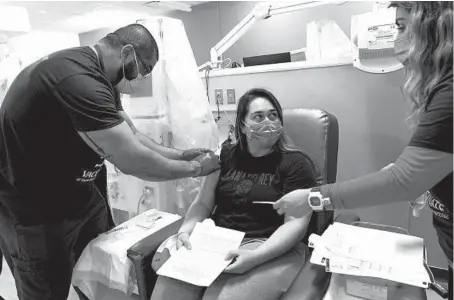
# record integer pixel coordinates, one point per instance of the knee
(159, 258)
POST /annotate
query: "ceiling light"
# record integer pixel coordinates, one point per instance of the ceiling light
(42, 11)
(169, 5)
(14, 19)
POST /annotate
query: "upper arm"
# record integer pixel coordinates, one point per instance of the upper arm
(92, 110)
(299, 174)
(435, 127)
(206, 195)
(303, 221)
(128, 121)
(89, 104)
(419, 169)
(117, 144)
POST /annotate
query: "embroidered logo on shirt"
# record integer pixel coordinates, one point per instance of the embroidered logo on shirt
(89, 175)
(243, 187)
(437, 207)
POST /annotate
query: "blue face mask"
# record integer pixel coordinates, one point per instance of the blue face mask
(266, 130)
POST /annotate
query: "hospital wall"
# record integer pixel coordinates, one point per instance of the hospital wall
(372, 133)
(37, 44)
(209, 22)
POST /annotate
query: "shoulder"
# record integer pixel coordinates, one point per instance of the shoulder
(227, 151)
(298, 169)
(86, 86)
(296, 162)
(296, 159)
(80, 62)
(442, 95)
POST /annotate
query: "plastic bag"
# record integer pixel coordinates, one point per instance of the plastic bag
(10, 67)
(326, 41)
(104, 262)
(175, 112)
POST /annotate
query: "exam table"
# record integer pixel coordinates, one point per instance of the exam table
(316, 132)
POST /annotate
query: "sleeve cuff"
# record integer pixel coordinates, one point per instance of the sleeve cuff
(329, 191)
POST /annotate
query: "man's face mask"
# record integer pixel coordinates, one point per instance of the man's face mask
(266, 131)
(131, 86)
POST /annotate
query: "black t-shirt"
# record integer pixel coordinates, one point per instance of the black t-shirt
(46, 169)
(245, 179)
(435, 132)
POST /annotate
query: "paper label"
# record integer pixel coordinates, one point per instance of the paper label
(381, 36)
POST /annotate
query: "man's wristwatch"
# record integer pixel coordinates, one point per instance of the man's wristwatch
(316, 200)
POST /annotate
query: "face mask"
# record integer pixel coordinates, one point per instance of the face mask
(126, 86)
(401, 47)
(265, 131)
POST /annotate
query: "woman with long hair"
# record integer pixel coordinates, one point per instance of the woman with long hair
(424, 45)
(258, 169)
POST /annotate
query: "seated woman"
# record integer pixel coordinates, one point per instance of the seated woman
(260, 167)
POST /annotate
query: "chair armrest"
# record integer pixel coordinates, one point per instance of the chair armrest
(313, 281)
(346, 217)
(141, 254)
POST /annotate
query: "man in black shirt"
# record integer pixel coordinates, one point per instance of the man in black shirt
(60, 119)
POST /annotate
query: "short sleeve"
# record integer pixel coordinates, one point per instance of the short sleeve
(226, 151)
(435, 126)
(90, 104)
(118, 104)
(298, 173)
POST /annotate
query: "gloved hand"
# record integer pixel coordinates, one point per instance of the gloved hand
(209, 163)
(418, 204)
(191, 154)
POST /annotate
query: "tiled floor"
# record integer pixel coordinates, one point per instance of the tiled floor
(8, 287)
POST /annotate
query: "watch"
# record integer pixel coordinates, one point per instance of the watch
(316, 200)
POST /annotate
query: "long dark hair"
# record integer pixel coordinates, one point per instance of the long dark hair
(283, 145)
(431, 50)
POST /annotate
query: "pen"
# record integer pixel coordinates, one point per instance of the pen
(263, 202)
(116, 229)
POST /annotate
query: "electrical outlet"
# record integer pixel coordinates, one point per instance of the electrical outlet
(218, 95)
(231, 96)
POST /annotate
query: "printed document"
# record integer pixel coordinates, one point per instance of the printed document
(358, 251)
(206, 260)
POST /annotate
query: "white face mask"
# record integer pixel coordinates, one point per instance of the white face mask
(266, 133)
(129, 87)
(401, 48)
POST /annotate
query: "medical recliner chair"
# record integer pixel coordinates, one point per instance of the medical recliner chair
(314, 131)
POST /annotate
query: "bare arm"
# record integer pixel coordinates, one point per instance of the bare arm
(146, 141)
(284, 238)
(203, 205)
(299, 174)
(119, 146)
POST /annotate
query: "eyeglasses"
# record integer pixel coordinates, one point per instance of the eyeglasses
(147, 69)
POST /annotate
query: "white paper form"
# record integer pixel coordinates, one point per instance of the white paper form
(206, 260)
(357, 251)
